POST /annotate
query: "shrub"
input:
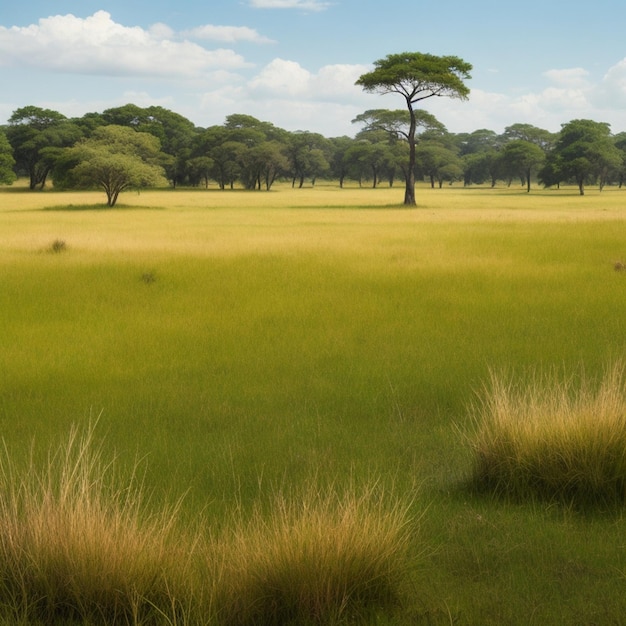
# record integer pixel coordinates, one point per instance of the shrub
(57, 246)
(553, 439)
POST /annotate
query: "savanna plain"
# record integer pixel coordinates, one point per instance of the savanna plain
(229, 407)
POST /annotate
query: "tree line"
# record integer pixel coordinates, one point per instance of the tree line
(131, 146)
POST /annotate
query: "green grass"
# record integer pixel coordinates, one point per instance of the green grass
(328, 338)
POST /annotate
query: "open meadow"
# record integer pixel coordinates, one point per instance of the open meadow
(242, 356)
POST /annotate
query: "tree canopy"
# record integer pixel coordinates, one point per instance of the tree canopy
(34, 133)
(584, 152)
(114, 158)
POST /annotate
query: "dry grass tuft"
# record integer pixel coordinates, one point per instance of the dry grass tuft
(553, 439)
(317, 559)
(74, 547)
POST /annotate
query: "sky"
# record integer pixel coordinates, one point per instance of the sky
(294, 62)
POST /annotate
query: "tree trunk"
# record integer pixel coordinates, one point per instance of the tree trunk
(409, 192)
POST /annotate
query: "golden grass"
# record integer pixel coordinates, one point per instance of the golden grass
(315, 559)
(553, 439)
(75, 548)
(293, 221)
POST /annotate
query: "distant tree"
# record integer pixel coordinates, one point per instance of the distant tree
(308, 155)
(481, 140)
(620, 144)
(89, 122)
(438, 163)
(527, 132)
(200, 170)
(115, 158)
(370, 160)
(270, 161)
(480, 152)
(338, 162)
(417, 76)
(228, 158)
(32, 132)
(7, 162)
(175, 132)
(584, 152)
(522, 158)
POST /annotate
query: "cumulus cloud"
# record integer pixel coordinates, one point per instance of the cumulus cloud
(227, 34)
(612, 90)
(333, 83)
(571, 77)
(98, 45)
(305, 5)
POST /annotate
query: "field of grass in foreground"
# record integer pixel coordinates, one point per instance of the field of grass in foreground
(241, 345)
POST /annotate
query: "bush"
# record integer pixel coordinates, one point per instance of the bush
(58, 246)
(553, 439)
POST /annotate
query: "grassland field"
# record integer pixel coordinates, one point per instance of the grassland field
(238, 344)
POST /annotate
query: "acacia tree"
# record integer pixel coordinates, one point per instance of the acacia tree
(417, 76)
(114, 158)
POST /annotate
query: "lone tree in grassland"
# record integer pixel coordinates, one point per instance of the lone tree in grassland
(417, 76)
(114, 158)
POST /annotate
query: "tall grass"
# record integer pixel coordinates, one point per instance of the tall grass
(561, 439)
(315, 559)
(77, 548)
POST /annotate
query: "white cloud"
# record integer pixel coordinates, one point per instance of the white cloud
(228, 34)
(612, 90)
(572, 77)
(332, 83)
(305, 5)
(284, 78)
(97, 45)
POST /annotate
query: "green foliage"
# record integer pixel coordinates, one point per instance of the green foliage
(34, 133)
(7, 175)
(522, 158)
(114, 158)
(417, 76)
(584, 152)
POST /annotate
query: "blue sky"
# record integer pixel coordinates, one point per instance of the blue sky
(294, 62)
